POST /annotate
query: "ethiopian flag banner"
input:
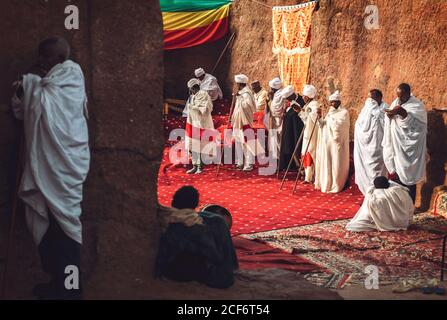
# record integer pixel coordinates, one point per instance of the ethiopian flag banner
(188, 23)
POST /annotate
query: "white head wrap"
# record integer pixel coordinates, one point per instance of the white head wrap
(287, 92)
(336, 96)
(309, 91)
(241, 78)
(193, 82)
(275, 83)
(199, 72)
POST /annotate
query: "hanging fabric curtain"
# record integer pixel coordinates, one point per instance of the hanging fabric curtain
(188, 23)
(291, 42)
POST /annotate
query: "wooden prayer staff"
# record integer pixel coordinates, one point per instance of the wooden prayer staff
(292, 158)
(15, 199)
(233, 103)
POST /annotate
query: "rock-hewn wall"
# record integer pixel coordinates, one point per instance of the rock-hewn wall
(408, 47)
(119, 46)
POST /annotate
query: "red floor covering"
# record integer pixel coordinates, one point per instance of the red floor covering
(255, 201)
(254, 255)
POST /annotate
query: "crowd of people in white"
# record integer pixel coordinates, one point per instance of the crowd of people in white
(389, 141)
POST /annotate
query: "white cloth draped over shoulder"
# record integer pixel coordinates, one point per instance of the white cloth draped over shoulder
(274, 120)
(332, 156)
(244, 108)
(278, 105)
(405, 142)
(368, 151)
(310, 140)
(242, 119)
(57, 153)
(261, 100)
(210, 85)
(389, 209)
(199, 117)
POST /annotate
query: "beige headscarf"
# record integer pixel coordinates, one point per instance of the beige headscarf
(167, 216)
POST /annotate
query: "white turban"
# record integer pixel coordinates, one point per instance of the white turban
(309, 91)
(241, 78)
(336, 96)
(193, 82)
(275, 84)
(287, 92)
(199, 72)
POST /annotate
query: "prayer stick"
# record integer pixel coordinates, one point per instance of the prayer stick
(233, 102)
(292, 158)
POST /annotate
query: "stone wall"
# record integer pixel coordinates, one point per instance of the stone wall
(408, 47)
(119, 47)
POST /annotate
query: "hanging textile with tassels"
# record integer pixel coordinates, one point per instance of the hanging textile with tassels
(291, 42)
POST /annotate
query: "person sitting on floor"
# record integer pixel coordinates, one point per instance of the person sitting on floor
(387, 207)
(195, 246)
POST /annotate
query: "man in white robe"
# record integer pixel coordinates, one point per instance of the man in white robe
(311, 131)
(405, 139)
(57, 159)
(387, 207)
(261, 96)
(332, 157)
(242, 124)
(209, 84)
(276, 109)
(199, 119)
(368, 137)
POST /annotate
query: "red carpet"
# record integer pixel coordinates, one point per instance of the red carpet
(256, 255)
(255, 201)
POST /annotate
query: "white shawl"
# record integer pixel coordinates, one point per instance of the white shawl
(210, 85)
(57, 152)
(244, 108)
(368, 137)
(384, 210)
(310, 115)
(332, 157)
(405, 142)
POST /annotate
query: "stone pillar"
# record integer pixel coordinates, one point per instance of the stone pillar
(119, 47)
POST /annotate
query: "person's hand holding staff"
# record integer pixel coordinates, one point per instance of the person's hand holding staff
(233, 104)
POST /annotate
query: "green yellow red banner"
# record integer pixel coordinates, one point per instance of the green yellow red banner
(183, 29)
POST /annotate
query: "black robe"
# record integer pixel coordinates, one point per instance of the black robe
(291, 132)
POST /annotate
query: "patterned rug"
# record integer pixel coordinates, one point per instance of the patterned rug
(412, 254)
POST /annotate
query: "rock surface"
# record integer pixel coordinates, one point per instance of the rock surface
(119, 47)
(407, 47)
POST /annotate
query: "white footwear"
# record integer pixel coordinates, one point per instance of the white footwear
(248, 168)
(193, 170)
(199, 170)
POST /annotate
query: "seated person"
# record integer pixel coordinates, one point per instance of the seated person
(195, 246)
(387, 207)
